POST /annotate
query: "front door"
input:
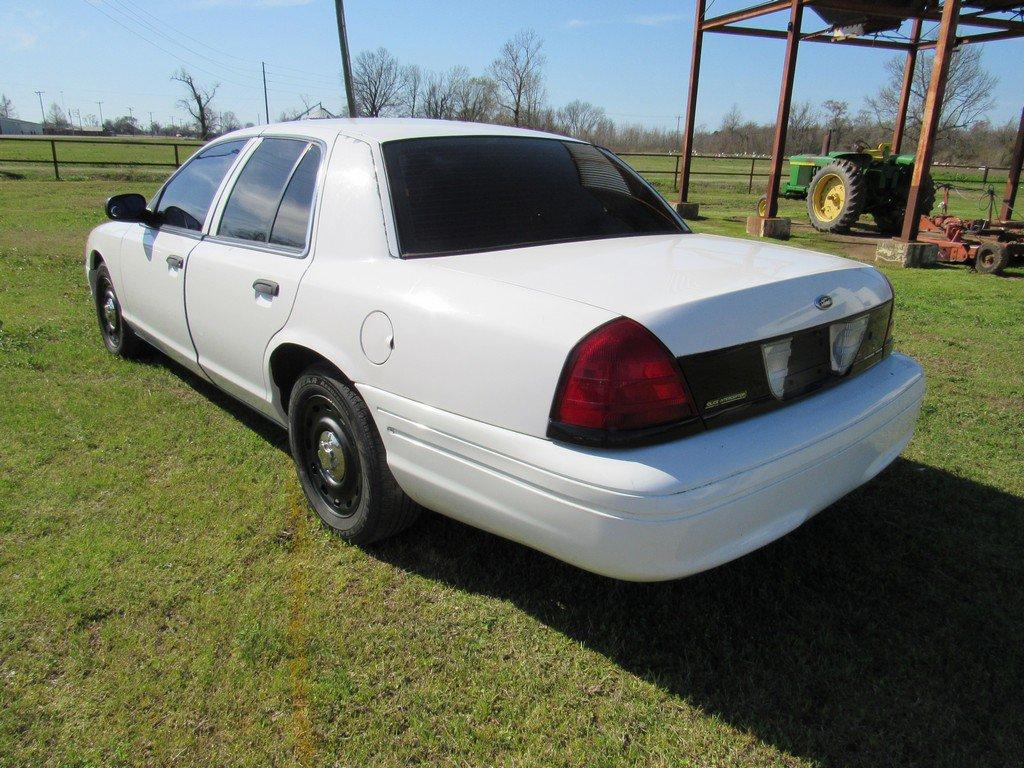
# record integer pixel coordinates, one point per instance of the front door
(154, 258)
(243, 278)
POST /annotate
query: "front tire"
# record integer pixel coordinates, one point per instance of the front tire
(118, 337)
(890, 220)
(340, 460)
(836, 196)
(991, 259)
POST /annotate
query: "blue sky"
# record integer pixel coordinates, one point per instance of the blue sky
(630, 58)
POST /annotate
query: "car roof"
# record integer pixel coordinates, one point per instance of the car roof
(382, 129)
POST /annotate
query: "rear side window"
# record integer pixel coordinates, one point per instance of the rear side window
(253, 203)
(292, 220)
(473, 193)
(186, 198)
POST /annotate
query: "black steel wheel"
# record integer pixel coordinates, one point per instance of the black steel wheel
(991, 259)
(118, 336)
(341, 462)
(889, 216)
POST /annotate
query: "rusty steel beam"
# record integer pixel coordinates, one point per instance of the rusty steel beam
(930, 118)
(778, 34)
(901, 12)
(796, 13)
(1013, 179)
(977, 20)
(983, 37)
(908, 81)
(746, 14)
(686, 151)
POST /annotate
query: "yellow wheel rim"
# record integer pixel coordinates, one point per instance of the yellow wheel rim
(829, 197)
(762, 207)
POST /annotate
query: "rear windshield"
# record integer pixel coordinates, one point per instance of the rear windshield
(476, 193)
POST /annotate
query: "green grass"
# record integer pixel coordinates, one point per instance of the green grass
(167, 598)
(76, 158)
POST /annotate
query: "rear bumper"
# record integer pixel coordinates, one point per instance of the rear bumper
(664, 511)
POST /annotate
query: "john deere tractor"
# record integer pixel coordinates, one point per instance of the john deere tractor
(842, 186)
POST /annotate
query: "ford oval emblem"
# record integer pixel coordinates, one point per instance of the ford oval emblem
(823, 302)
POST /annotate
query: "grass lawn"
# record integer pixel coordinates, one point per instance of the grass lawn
(166, 598)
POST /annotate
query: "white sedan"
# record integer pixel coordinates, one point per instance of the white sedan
(514, 329)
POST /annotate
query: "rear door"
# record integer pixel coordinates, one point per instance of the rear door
(154, 258)
(242, 279)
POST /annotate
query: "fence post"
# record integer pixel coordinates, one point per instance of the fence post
(676, 174)
(177, 163)
(53, 151)
(750, 182)
(984, 176)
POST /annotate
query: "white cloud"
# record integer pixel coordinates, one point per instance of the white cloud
(18, 39)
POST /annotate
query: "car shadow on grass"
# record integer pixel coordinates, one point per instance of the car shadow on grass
(887, 630)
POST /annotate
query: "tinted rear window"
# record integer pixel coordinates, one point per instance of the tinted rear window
(475, 193)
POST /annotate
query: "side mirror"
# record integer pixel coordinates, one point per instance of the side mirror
(127, 207)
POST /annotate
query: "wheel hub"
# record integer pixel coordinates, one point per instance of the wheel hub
(330, 456)
(110, 311)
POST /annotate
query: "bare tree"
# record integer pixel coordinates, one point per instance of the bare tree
(412, 86)
(229, 121)
(197, 103)
(55, 118)
(476, 98)
(440, 94)
(837, 119)
(803, 129)
(968, 96)
(519, 73)
(377, 82)
(580, 118)
(7, 107)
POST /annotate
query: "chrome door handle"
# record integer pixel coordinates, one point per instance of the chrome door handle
(175, 262)
(266, 287)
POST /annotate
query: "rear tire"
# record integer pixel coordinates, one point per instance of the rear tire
(118, 337)
(340, 460)
(991, 259)
(836, 197)
(890, 220)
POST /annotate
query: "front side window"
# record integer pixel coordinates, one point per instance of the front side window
(185, 200)
(271, 199)
(458, 194)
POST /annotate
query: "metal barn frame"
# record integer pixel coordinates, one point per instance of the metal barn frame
(858, 23)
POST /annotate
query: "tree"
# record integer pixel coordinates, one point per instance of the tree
(229, 121)
(440, 94)
(968, 96)
(580, 118)
(56, 119)
(519, 73)
(836, 119)
(197, 102)
(412, 87)
(7, 107)
(378, 83)
(476, 98)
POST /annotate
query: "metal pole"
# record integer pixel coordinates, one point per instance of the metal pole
(100, 105)
(53, 151)
(796, 13)
(930, 117)
(826, 142)
(266, 103)
(1013, 178)
(346, 64)
(750, 181)
(683, 180)
(908, 81)
(42, 112)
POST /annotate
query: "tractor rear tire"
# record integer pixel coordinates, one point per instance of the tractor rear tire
(836, 196)
(991, 259)
(890, 221)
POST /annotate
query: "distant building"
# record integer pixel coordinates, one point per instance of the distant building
(14, 127)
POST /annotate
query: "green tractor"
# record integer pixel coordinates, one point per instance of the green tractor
(842, 186)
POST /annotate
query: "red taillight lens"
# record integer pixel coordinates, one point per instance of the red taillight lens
(621, 377)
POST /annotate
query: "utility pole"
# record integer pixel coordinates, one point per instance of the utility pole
(100, 105)
(131, 116)
(42, 111)
(346, 64)
(150, 122)
(266, 104)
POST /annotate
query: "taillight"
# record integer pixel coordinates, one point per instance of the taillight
(618, 381)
